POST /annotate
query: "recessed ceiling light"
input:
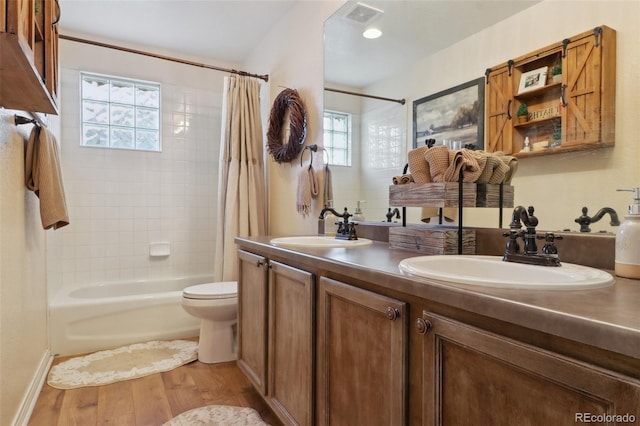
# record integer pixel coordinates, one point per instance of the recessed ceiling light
(372, 33)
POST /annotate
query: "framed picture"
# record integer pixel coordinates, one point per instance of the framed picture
(453, 114)
(533, 80)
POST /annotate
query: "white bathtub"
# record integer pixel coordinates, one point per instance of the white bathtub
(106, 316)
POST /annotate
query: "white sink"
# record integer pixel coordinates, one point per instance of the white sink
(492, 271)
(318, 241)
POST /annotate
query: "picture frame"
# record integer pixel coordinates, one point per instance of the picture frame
(532, 80)
(453, 114)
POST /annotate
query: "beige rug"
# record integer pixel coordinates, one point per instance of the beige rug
(218, 415)
(125, 363)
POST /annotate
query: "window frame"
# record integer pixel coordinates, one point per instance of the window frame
(135, 105)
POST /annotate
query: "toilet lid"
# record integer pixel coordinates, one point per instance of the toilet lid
(221, 290)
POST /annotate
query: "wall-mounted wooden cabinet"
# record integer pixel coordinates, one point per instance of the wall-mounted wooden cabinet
(29, 55)
(577, 112)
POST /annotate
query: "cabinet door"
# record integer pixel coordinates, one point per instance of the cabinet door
(252, 318)
(291, 329)
(582, 91)
(499, 111)
(362, 346)
(473, 377)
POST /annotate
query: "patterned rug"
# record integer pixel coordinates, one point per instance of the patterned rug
(125, 363)
(218, 415)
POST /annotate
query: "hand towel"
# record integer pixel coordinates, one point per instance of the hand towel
(418, 166)
(403, 179)
(307, 189)
(510, 161)
(494, 170)
(438, 160)
(327, 194)
(449, 214)
(44, 177)
(470, 162)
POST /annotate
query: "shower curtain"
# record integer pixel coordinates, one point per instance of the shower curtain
(241, 187)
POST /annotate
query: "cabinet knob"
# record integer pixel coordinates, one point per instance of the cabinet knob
(265, 263)
(392, 313)
(423, 326)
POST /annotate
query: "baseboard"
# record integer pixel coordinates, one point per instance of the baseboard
(31, 397)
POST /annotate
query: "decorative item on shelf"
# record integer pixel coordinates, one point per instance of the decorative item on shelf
(556, 136)
(556, 69)
(523, 113)
(532, 80)
(527, 145)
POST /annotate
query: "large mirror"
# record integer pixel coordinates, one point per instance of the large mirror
(426, 47)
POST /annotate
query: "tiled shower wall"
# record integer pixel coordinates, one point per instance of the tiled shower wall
(121, 201)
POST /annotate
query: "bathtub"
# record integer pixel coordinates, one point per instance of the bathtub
(105, 316)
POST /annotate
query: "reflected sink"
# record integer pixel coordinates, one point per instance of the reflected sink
(318, 241)
(492, 271)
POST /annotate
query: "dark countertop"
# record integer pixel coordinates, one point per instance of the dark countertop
(607, 318)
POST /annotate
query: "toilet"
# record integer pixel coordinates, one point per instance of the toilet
(216, 304)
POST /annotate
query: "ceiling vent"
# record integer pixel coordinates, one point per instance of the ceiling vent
(362, 13)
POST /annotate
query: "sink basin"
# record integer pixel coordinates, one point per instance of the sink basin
(318, 241)
(492, 271)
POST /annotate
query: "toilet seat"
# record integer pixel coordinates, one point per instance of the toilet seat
(209, 291)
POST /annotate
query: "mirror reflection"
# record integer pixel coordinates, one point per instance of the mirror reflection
(426, 47)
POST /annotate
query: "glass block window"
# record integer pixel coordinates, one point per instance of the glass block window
(337, 137)
(120, 113)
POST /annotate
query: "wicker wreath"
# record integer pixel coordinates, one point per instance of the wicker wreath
(289, 100)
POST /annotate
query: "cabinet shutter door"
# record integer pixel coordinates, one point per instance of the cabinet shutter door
(581, 116)
(498, 104)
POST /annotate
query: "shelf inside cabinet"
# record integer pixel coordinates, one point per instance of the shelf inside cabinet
(539, 92)
(536, 122)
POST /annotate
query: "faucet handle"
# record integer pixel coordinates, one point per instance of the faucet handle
(549, 247)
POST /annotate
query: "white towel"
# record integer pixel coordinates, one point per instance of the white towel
(43, 176)
(307, 189)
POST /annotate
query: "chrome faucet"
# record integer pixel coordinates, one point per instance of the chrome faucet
(584, 220)
(346, 230)
(395, 212)
(549, 255)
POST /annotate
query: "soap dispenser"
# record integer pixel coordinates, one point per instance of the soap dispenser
(627, 263)
(358, 216)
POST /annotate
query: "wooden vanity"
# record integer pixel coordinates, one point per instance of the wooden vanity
(340, 336)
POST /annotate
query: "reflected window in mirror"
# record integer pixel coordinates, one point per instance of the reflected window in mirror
(337, 137)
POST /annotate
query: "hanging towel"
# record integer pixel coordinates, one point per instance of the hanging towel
(43, 176)
(307, 189)
(328, 187)
(448, 213)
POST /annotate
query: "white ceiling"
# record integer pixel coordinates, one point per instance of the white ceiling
(221, 30)
(227, 31)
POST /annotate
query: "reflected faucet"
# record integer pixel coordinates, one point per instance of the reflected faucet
(395, 212)
(584, 221)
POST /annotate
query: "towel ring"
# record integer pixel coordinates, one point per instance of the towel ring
(313, 148)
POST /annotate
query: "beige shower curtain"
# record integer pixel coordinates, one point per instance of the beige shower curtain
(241, 188)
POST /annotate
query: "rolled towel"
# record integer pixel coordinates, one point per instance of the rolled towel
(448, 213)
(438, 159)
(510, 161)
(307, 189)
(418, 166)
(404, 179)
(494, 170)
(471, 162)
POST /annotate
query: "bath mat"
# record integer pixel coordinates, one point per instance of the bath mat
(219, 415)
(125, 363)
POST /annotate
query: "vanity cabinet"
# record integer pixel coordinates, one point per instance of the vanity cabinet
(472, 376)
(29, 55)
(573, 114)
(362, 356)
(276, 334)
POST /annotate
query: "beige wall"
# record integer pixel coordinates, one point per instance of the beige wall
(23, 288)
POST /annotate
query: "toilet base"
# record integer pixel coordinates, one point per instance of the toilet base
(217, 341)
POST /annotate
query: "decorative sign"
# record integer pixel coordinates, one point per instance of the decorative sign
(541, 114)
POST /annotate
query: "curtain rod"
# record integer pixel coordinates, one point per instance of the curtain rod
(364, 95)
(166, 58)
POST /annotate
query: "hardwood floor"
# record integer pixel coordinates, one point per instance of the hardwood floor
(151, 400)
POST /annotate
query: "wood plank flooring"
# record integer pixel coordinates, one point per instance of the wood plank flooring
(151, 400)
